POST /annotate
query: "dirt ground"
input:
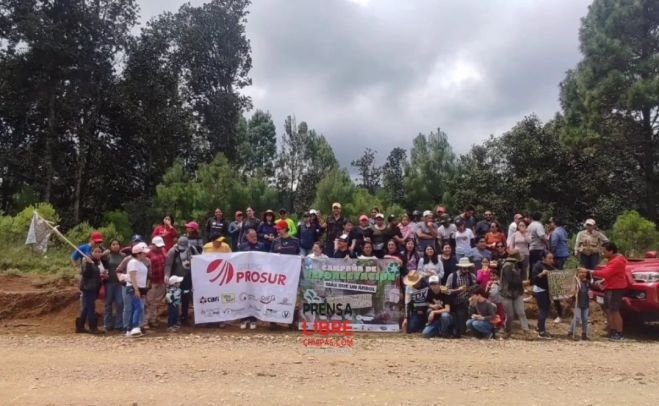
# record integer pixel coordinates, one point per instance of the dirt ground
(44, 363)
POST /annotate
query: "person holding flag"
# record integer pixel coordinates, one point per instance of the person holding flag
(85, 250)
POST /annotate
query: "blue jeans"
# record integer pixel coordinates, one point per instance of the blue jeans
(590, 261)
(114, 295)
(560, 262)
(481, 327)
(137, 311)
(439, 326)
(88, 310)
(542, 298)
(172, 314)
(128, 307)
(416, 321)
(579, 315)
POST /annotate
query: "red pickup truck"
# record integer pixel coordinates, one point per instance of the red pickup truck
(641, 302)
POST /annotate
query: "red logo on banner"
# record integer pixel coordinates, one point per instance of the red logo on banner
(224, 271)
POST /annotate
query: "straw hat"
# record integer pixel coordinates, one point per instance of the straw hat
(465, 263)
(412, 278)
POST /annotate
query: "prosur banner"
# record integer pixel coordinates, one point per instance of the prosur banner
(232, 286)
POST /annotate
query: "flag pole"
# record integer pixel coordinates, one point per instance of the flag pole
(61, 236)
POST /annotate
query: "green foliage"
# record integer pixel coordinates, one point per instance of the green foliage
(368, 171)
(121, 222)
(634, 234)
(336, 186)
(16, 227)
(80, 233)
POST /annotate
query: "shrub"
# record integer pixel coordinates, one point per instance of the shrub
(634, 234)
(110, 232)
(80, 233)
(121, 222)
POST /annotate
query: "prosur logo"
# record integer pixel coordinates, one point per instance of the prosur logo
(223, 269)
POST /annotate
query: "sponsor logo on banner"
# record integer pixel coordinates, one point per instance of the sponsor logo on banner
(204, 300)
(286, 302)
(222, 272)
(285, 314)
(228, 298)
(267, 299)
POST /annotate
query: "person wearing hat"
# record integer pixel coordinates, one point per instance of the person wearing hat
(363, 233)
(194, 237)
(512, 291)
(218, 245)
(342, 248)
(179, 264)
(173, 299)
(137, 287)
(234, 230)
(426, 233)
(113, 289)
(416, 305)
(85, 250)
(379, 236)
(334, 227)
(309, 233)
(588, 245)
(439, 310)
(459, 284)
(158, 288)
(292, 228)
(122, 275)
(285, 244)
(266, 232)
(216, 226)
(167, 231)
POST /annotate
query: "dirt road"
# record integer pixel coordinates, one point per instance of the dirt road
(261, 368)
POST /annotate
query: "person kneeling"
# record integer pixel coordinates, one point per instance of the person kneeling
(482, 314)
(439, 311)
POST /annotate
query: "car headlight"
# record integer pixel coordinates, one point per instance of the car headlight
(646, 276)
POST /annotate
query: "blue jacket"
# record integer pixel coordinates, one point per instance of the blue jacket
(264, 230)
(308, 235)
(559, 243)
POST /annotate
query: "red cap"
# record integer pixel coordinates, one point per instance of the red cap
(239, 213)
(363, 217)
(96, 237)
(282, 225)
(193, 225)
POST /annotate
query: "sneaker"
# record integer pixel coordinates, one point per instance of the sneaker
(136, 332)
(127, 334)
(617, 337)
(252, 325)
(557, 320)
(171, 329)
(243, 325)
(544, 335)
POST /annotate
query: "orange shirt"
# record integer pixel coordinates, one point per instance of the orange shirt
(493, 238)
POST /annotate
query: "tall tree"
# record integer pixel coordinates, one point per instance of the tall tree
(368, 171)
(257, 148)
(393, 173)
(612, 96)
(432, 164)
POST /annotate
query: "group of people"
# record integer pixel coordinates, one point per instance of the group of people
(459, 272)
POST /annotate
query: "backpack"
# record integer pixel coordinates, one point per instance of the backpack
(515, 283)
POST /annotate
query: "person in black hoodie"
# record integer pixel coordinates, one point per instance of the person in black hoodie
(90, 284)
(539, 276)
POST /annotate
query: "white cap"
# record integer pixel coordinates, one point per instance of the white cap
(590, 222)
(313, 211)
(140, 248)
(158, 242)
(433, 279)
(427, 213)
(175, 279)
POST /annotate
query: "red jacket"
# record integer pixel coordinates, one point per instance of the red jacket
(614, 273)
(167, 234)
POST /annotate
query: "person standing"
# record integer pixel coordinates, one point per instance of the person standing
(167, 231)
(511, 291)
(558, 243)
(266, 231)
(216, 226)
(616, 282)
(540, 278)
(410, 255)
(194, 237)
(137, 286)
(379, 235)
(589, 244)
(90, 284)
(521, 241)
(426, 234)
(512, 228)
(583, 283)
(464, 240)
(252, 243)
(309, 232)
(251, 222)
(363, 233)
(179, 263)
(467, 218)
(538, 244)
(158, 288)
(406, 229)
(113, 289)
(446, 232)
(292, 228)
(235, 228)
(173, 299)
(334, 227)
(459, 283)
(85, 250)
(483, 226)
(449, 262)
(494, 236)
(480, 253)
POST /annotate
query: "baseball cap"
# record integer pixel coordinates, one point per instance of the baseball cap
(343, 237)
(313, 211)
(136, 238)
(239, 213)
(282, 210)
(193, 225)
(379, 216)
(158, 242)
(175, 279)
(427, 213)
(282, 225)
(590, 222)
(391, 217)
(140, 248)
(433, 279)
(183, 243)
(336, 204)
(96, 236)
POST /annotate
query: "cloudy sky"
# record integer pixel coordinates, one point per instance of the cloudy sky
(377, 72)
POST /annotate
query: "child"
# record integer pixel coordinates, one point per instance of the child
(483, 276)
(583, 283)
(173, 299)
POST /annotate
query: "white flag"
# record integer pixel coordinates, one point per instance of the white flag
(39, 234)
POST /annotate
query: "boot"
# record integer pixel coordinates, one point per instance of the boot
(93, 326)
(80, 326)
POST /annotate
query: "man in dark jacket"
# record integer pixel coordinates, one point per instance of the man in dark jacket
(335, 223)
(512, 289)
(216, 226)
(179, 260)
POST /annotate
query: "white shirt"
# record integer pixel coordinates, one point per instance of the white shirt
(137, 266)
(446, 233)
(463, 241)
(512, 229)
(321, 256)
(430, 268)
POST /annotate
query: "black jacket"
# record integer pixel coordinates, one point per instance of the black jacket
(91, 278)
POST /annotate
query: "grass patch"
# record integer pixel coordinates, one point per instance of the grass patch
(18, 259)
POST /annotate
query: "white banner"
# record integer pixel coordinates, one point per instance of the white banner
(231, 286)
